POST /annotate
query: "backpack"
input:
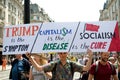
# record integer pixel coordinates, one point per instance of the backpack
(86, 74)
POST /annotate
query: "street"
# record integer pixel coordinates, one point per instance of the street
(4, 75)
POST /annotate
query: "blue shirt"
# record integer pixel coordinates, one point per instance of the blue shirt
(18, 67)
(14, 72)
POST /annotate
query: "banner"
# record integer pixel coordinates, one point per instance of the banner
(61, 37)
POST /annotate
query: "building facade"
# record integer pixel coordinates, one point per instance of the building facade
(11, 13)
(111, 11)
(38, 14)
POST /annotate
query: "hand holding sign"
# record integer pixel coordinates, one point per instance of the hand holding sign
(90, 53)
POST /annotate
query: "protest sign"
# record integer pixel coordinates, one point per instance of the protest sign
(97, 36)
(19, 39)
(55, 37)
(61, 37)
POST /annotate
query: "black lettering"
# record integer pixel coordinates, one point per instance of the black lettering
(5, 49)
(81, 36)
(23, 47)
(102, 35)
(12, 48)
(91, 35)
(99, 36)
(86, 35)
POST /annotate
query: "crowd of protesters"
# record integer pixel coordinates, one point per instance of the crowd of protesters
(82, 59)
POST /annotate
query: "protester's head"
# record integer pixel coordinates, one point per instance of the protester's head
(3, 57)
(40, 58)
(105, 56)
(62, 55)
(112, 60)
(119, 59)
(18, 56)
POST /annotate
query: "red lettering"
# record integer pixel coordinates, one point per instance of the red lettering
(104, 45)
(14, 31)
(26, 31)
(34, 28)
(21, 31)
(7, 32)
(98, 45)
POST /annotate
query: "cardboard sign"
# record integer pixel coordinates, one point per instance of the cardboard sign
(61, 37)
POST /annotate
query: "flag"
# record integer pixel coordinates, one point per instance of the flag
(91, 27)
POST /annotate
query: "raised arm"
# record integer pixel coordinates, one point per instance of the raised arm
(88, 65)
(33, 62)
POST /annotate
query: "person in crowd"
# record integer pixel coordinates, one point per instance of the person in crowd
(112, 60)
(80, 60)
(115, 55)
(62, 69)
(4, 63)
(35, 74)
(104, 69)
(20, 68)
(72, 58)
(119, 67)
(84, 74)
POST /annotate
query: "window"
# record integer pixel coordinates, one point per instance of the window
(9, 18)
(116, 17)
(31, 11)
(31, 17)
(9, 5)
(37, 17)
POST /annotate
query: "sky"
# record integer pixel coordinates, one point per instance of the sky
(72, 10)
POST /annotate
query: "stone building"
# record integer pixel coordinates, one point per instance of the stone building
(11, 13)
(38, 14)
(111, 11)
